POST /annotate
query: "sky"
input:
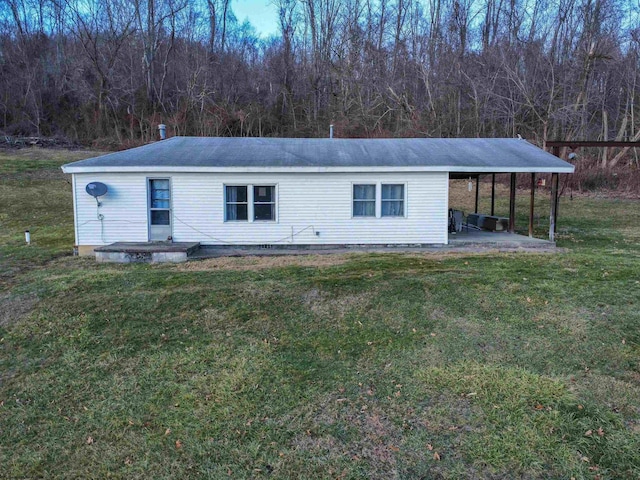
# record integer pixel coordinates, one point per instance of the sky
(261, 14)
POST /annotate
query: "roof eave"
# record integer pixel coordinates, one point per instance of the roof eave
(70, 168)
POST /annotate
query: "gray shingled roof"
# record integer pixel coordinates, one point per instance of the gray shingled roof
(455, 154)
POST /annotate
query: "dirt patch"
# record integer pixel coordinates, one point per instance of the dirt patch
(260, 263)
(14, 307)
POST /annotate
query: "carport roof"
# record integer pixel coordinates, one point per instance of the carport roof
(220, 154)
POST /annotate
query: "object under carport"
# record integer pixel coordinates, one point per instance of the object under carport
(488, 222)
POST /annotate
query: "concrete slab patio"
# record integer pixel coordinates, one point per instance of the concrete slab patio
(483, 238)
(473, 241)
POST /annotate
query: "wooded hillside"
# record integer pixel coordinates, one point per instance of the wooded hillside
(109, 72)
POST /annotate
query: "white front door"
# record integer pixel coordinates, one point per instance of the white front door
(159, 209)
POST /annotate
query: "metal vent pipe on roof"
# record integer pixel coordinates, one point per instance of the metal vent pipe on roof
(330, 131)
(162, 128)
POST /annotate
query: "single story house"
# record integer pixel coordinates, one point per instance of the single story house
(296, 191)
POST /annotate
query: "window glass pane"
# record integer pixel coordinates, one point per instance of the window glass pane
(393, 208)
(364, 209)
(237, 212)
(237, 194)
(160, 204)
(159, 217)
(392, 192)
(263, 194)
(263, 212)
(364, 192)
(160, 184)
(160, 194)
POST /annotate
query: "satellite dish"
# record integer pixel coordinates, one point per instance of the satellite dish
(96, 189)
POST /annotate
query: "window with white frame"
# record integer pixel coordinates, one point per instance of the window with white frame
(392, 200)
(236, 203)
(364, 200)
(250, 203)
(264, 202)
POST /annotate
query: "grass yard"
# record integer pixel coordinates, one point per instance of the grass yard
(356, 366)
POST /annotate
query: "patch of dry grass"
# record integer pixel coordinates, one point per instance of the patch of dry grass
(250, 263)
(254, 262)
(619, 395)
(335, 307)
(14, 307)
(371, 438)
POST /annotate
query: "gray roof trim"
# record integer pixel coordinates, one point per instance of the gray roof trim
(228, 154)
(471, 169)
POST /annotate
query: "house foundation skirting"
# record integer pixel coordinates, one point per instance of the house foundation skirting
(141, 257)
(146, 252)
(86, 250)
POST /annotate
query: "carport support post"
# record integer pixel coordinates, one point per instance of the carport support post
(512, 204)
(531, 203)
(477, 193)
(493, 193)
(556, 152)
(554, 206)
(555, 221)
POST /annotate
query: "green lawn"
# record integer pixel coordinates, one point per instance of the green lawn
(359, 366)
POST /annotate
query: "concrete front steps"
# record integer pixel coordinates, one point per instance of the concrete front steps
(151, 252)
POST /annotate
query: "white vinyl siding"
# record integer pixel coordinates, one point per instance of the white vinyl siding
(308, 204)
(311, 208)
(123, 209)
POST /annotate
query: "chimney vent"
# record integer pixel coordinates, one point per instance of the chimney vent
(330, 131)
(162, 128)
